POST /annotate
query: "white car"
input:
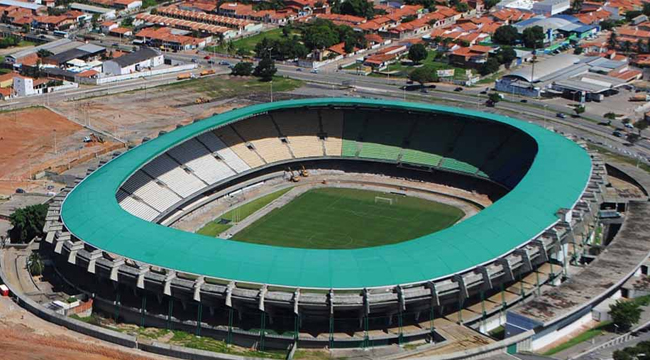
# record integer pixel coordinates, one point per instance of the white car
(629, 125)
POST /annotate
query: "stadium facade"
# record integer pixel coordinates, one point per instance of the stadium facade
(109, 225)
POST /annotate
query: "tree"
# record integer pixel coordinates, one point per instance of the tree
(579, 109)
(576, 6)
(361, 8)
(427, 4)
(417, 53)
(533, 37)
(35, 264)
(489, 4)
(94, 21)
(607, 24)
(242, 69)
(641, 125)
(265, 69)
(127, 22)
(423, 75)
(494, 97)
(506, 35)
(627, 46)
(462, 7)
(506, 55)
(624, 314)
(27, 223)
(640, 46)
(612, 41)
(578, 50)
(489, 67)
(320, 35)
(646, 9)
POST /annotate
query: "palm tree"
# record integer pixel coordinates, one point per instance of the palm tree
(35, 264)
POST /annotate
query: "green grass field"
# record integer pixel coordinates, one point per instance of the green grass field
(333, 218)
(215, 227)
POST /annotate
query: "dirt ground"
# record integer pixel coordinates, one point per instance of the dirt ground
(133, 116)
(27, 145)
(23, 336)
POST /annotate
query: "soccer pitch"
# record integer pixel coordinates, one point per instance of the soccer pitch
(333, 218)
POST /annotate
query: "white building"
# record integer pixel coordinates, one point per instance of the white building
(23, 86)
(134, 62)
(551, 7)
(104, 13)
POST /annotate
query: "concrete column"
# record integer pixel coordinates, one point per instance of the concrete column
(296, 302)
(142, 271)
(167, 288)
(262, 295)
(74, 249)
(115, 266)
(96, 254)
(231, 285)
(197, 288)
(487, 282)
(60, 239)
(507, 270)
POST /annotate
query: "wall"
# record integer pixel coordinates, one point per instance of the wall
(111, 79)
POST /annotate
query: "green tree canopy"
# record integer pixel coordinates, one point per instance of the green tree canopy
(417, 53)
(427, 4)
(242, 69)
(361, 8)
(265, 69)
(506, 35)
(423, 75)
(506, 55)
(27, 223)
(489, 67)
(533, 37)
(489, 4)
(625, 314)
(320, 35)
(35, 265)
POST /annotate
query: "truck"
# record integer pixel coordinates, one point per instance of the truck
(184, 76)
(640, 97)
(207, 72)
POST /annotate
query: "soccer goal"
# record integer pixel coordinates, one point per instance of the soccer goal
(383, 200)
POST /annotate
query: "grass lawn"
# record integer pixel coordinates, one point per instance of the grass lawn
(247, 44)
(334, 218)
(215, 228)
(209, 344)
(401, 70)
(585, 336)
(220, 86)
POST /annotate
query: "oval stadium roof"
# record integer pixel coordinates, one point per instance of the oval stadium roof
(556, 179)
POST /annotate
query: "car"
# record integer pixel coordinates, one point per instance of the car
(489, 103)
(115, 45)
(20, 191)
(207, 57)
(560, 115)
(483, 92)
(458, 89)
(617, 133)
(605, 123)
(409, 82)
(210, 61)
(424, 90)
(432, 86)
(299, 69)
(314, 71)
(194, 60)
(628, 125)
(224, 63)
(87, 139)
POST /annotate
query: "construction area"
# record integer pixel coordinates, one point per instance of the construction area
(37, 139)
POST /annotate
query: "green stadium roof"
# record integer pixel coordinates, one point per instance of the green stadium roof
(556, 179)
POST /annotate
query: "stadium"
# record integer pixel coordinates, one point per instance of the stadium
(391, 277)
